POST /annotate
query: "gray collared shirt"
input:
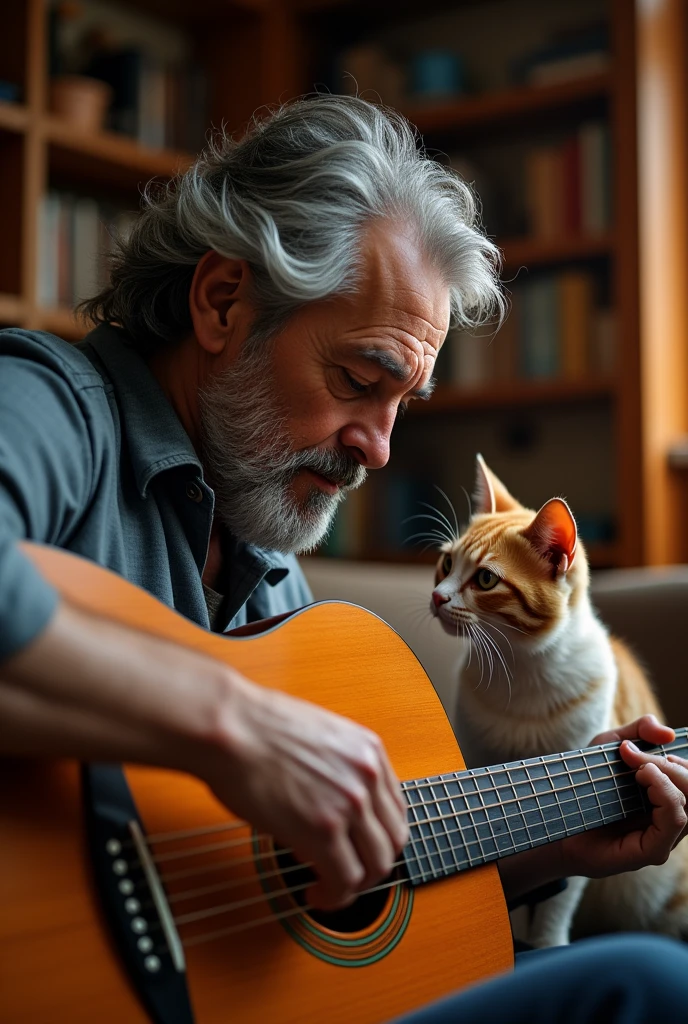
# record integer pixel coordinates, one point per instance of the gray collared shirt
(93, 459)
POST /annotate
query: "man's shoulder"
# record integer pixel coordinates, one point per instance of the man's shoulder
(42, 350)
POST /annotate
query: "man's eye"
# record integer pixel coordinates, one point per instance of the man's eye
(402, 409)
(354, 384)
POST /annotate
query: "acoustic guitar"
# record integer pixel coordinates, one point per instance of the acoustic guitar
(131, 895)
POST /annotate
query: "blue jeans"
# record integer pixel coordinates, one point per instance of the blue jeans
(630, 979)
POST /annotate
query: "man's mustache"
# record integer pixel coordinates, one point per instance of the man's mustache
(336, 466)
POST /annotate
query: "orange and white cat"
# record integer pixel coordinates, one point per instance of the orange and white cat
(545, 675)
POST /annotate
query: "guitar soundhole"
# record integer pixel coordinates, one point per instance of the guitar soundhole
(360, 915)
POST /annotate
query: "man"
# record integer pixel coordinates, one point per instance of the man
(265, 324)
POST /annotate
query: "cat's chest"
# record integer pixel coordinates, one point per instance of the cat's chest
(547, 705)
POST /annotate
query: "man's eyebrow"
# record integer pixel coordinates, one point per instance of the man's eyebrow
(397, 370)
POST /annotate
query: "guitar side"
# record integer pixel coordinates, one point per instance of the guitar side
(57, 961)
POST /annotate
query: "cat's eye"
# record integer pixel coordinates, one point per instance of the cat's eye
(486, 579)
(447, 562)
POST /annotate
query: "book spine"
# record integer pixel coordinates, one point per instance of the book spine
(48, 250)
(576, 302)
(571, 185)
(540, 329)
(595, 190)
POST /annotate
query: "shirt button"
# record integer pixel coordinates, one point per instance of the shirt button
(194, 492)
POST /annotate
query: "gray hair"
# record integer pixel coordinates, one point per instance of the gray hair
(291, 198)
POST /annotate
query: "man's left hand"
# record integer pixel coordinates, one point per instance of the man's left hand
(624, 846)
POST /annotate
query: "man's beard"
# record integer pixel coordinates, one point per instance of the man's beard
(249, 461)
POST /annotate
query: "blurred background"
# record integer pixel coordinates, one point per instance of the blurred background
(569, 119)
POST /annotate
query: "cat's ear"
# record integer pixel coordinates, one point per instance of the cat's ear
(490, 495)
(553, 534)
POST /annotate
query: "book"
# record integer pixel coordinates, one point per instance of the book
(505, 344)
(565, 69)
(595, 177)
(545, 192)
(48, 249)
(469, 358)
(575, 321)
(539, 349)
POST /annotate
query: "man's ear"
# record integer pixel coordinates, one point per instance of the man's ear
(219, 293)
(553, 534)
(490, 494)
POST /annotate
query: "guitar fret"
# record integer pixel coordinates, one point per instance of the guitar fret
(500, 821)
(415, 824)
(467, 818)
(446, 819)
(435, 829)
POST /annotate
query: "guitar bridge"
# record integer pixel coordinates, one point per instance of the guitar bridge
(132, 896)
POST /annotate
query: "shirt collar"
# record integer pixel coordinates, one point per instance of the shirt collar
(156, 438)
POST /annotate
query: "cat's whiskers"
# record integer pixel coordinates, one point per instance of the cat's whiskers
(492, 625)
(508, 625)
(475, 639)
(433, 536)
(470, 506)
(495, 646)
(443, 529)
(488, 650)
(454, 534)
(453, 510)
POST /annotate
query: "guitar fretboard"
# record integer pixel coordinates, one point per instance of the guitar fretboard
(464, 819)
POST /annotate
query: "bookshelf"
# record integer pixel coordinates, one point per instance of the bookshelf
(258, 51)
(509, 106)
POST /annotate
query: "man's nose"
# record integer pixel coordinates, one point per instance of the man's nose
(370, 447)
(438, 598)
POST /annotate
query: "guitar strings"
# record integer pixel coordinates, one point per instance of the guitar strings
(271, 918)
(266, 897)
(215, 847)
(470, 811)
(219, 864)
(681, 735)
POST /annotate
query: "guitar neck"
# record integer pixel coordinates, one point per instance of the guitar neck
(465, 819)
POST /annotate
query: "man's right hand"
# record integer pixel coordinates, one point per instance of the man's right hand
(318, 782)
(321, 784)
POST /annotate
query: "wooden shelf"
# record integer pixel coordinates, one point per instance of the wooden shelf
(184, 12)
(62, 322)
(504, 105)
(12, 309)
(508, 394)
(533, 252)
(108, 156)
(13, 117)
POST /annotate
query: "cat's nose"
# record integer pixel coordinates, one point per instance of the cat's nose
(438, 599)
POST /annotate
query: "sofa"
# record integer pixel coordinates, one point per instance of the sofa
(648, 608)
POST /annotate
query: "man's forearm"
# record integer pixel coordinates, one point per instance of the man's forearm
(91, 689)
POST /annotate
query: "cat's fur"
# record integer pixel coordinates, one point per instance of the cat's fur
(544, 677)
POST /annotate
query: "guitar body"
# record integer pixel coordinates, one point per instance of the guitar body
(58, 964)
